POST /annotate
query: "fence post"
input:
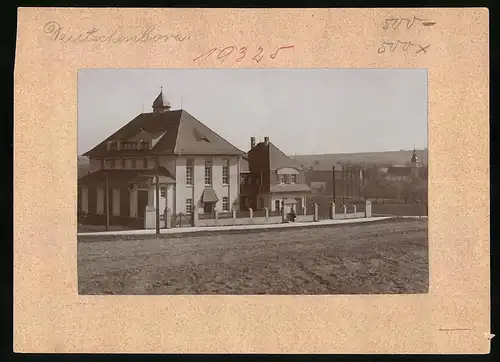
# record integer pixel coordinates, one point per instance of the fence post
(216, 214)
(304, 210)
(332, 211)
(316, 212)
(345, 209)
(354, 208)
(267, 212)
(251, 212)
(234, 213)
(368, 209)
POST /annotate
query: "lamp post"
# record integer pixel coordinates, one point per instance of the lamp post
(157, 209)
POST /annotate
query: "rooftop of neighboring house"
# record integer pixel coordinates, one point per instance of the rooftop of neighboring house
(164, 132)
(277, 158)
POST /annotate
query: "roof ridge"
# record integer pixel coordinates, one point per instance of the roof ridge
(174, 150)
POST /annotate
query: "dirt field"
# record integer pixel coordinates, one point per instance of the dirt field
(382, 257)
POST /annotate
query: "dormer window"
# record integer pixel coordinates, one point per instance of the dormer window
(200, 137)
(293, 179)
(282, 179)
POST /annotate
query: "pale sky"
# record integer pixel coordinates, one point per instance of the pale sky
(302, 111)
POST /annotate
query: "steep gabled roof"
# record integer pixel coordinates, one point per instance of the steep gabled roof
(177, 132)
(195, 138)
(279, 160)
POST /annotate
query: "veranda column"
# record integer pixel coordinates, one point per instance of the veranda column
(85, 200)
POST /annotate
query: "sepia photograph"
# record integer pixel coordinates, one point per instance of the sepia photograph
(252, 181)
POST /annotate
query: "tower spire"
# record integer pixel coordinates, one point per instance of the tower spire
(161, 104)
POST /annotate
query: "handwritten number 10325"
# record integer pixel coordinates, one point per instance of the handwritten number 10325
(240, 53)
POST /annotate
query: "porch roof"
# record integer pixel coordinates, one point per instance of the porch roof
(290, 188)
(209, 195)
(148, 176)
(116, 178)
(122, 178)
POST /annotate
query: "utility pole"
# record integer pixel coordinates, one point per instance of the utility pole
(106, 196)
(343, 184)
(333, 184)
(157, 204)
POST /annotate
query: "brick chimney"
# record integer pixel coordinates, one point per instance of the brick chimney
(266, 140)
(252, 142)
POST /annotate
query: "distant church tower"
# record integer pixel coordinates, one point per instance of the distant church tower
(414, 163)
(161, 104)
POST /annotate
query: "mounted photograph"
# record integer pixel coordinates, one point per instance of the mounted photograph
(252, 181)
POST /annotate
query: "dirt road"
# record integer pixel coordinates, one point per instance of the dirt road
(381, 257)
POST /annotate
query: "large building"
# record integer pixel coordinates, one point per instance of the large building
(196, 168)
(272, 180)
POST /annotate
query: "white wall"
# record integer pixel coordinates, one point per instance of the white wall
(169, 195)
(183, 191)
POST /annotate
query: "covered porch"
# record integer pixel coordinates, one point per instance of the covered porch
(151, 190)
(129, 194)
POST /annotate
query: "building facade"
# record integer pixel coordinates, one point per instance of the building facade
(197, 170)
(272, 180)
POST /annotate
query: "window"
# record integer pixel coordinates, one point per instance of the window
(225, 173)
(277, 204)
(208, 172)
(293, 179)
(163, 191)
(124, 163)
(189, 206)
(108, 164)
(225, 204)
(189, 172)
(134, 163)
(146, 163)
(282, 179)
(242, 181)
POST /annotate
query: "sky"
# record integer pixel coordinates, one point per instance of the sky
(302, 111)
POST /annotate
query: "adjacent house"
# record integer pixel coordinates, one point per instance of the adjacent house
(273, 180)
(349, 179)
(196, 168)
